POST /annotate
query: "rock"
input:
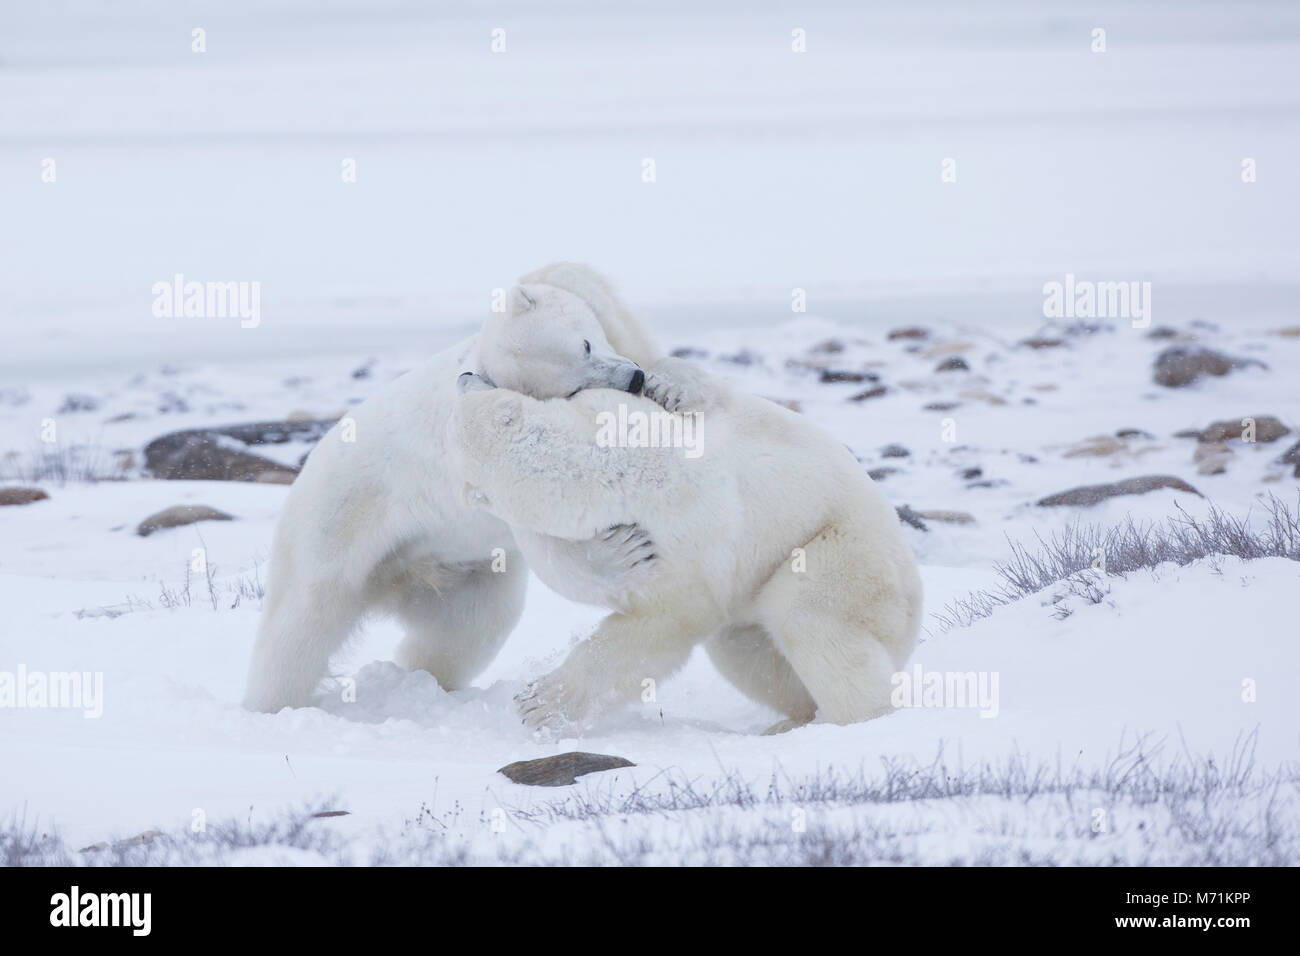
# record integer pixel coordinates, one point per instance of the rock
(199, 455)
(688, 352)
(21, 496)
(982, 395)
(790, 403)
(970, 474)
(907, 516)
(946, 348)
(911, 332)
(869, 393)
(954, 364)
(1096, 447)
(1183, 364)
(1042, 343)
(78, 403)
(829, 347)
(1133, 433)
(561, 770)
(941, 406)
(847, 375)
(1290, 332)
(1088, 495)
(1267, 429)
(1213, 464)
(894, 451)
(178, 515)
(948, 517)
(1292, 457)
(1164, 333)
(1189, 433)
(743, 357)
(880, 474)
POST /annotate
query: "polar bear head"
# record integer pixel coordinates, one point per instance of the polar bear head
(549, 344)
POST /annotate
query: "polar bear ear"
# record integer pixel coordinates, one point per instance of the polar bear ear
(520, 301)
(473, 382)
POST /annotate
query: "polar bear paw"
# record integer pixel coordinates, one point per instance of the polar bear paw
(676, 385)
(550, 704)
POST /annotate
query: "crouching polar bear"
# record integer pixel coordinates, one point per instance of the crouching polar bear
(772, 546)
(376, 522)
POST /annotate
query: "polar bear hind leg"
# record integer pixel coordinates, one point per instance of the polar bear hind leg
(746, 656)
(843, 624)
(457, 624)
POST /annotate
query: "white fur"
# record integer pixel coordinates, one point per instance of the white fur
(379, 524)
(820, 641)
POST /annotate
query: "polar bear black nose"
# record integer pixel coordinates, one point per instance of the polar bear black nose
(637, 383)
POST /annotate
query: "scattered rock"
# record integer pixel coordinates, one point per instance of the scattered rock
(21, 496)
(907, 516)
(1292, 457)
(894, 451)
(1133, 433)
(941, 406)
(1181, 365)
(1290, 332)
(954, 364)
(687, 352)
(1045, 387)
(911, 332)
(743, 357)
(946, 348)
(178, 515)
(847, 375)
(880, 474)
(1092, 494)
(323, 814)
(1189, 433)
(829, 347)
(789, 403)
(970, 474)
(1165, 333)
(561, 770)
(1267, 429)
(1096, 447)
(948, 517)
(78, 403)
(200, 455)
(869, 393)
(169, 403)
(982, 395)
(1042, 343)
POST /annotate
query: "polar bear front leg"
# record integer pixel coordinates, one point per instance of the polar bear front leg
(607, 670)
(679, 386)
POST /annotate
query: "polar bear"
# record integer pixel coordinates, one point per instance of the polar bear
(375, 522)
(772, 546)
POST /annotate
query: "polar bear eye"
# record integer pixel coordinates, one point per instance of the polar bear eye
(586, 345)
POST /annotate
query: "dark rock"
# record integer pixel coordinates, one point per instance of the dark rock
(78, 403)
(562, 769)
(686, 352)
(21, 496)
(200, 455)
(907, 516)
(1292, 457)
(177, 516)
(1133, 433)
(869, 393)
(169, 403)
(1267, 429)
(913, 332)
(1088, 495)
(1164, 332)
(1183, 364)
(948, 517)
(954, 364)
(969, 474)
(1042, 343)
(743, 357)
(986, 483)
(941, 406)
(829, 347)
(1189, 433)
(847, 375)
(894, 451)
(880, 474)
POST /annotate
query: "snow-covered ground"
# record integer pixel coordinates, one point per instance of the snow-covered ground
(775, 171)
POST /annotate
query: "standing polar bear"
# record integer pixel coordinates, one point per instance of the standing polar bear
(772, 546)
(376, 521)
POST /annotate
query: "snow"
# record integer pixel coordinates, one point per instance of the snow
(775, 171)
